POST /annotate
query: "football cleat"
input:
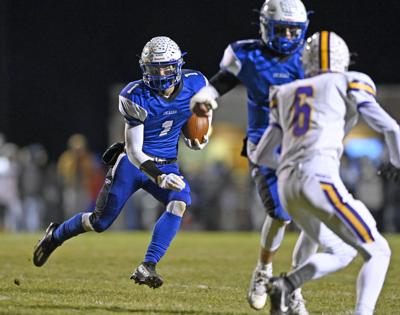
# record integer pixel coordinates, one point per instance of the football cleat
(257, 295)
(146, 274)
(45, 246)
(280, 296)
(297, 303)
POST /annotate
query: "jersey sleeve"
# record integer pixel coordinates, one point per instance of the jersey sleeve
(131, 107)
(230, 62)
(267, 152)
(194, 80)
(361, 89)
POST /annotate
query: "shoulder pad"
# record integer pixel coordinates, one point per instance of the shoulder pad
(245, 43)
(358, 81)
(187, 73)
(196, 78)
(131, 87)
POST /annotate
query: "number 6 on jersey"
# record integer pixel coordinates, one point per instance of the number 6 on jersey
(302, 110)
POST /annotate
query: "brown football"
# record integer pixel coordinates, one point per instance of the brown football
(196, 127)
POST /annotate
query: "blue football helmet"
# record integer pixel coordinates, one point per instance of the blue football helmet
(161, 63)
(283, 25)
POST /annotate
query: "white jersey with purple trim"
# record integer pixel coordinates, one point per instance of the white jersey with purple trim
(312, 116)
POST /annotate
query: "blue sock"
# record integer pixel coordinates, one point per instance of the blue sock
(164, 232)
(69, 228)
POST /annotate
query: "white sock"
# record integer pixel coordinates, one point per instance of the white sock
(265, 267)
(369, 283)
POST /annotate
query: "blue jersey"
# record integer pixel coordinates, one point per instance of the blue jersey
(258, 70)
(163, 118)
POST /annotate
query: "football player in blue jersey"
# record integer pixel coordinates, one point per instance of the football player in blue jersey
(260, 64)
(155, 109)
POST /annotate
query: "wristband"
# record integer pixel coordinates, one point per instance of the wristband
(150, 169)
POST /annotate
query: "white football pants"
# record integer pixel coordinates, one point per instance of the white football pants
(313, 194)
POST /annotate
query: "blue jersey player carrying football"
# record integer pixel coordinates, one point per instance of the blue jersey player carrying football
(155, 110)
(260, 64)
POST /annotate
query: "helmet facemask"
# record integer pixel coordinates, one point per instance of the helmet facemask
(161, 76)
(283, 37)
(161, 63)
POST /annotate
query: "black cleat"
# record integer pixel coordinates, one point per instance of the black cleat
(45, 246)
(280, 295)
(146, 274)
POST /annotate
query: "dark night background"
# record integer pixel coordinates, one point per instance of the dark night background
(59, 58)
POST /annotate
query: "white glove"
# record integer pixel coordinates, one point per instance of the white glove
(171, 181)
(206, 96)
(196, 145)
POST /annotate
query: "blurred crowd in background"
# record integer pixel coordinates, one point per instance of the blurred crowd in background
(35, 191)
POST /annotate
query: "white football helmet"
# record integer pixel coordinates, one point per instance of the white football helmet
(161, 63)
(325, 52)
(283, 25)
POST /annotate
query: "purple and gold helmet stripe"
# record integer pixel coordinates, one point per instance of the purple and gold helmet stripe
(361, 86)
(346, 212)
(324, 62)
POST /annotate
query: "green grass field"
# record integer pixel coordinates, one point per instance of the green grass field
(204, 273)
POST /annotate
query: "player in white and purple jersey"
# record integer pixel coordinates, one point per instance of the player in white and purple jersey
(309, 119)
(261, 64)
(155, 109)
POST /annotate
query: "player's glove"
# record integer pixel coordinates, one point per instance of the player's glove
(204, 100)
(171, 181)
(195, 144)
(110, 155)
(390, 172)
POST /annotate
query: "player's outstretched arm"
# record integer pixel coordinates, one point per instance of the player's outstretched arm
(378, 119)
(134, 145)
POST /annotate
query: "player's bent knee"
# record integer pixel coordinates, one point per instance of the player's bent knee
(87, 225)
(100, 226)
(98, 223)
(378, 248)
(382, 247)
(176, 207)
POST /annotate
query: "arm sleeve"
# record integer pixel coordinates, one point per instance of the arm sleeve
(134, 144)
(224, 81)
(378, 119)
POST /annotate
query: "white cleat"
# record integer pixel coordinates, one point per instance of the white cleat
(297, 304)
(257, 295)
